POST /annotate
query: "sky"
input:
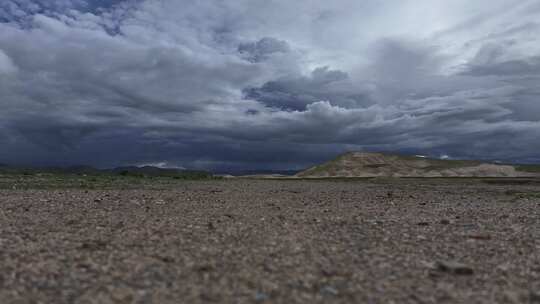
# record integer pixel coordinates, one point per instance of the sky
(266, 84)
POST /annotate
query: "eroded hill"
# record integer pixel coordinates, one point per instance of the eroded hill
(361, 164)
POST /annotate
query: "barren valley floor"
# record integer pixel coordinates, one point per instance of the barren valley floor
(273, 241)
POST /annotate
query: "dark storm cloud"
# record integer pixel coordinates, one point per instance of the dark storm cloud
(238, 85)
(296, 92)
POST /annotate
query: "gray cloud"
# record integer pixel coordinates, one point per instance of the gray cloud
(524, 67)
(263, 49)
(237, 85)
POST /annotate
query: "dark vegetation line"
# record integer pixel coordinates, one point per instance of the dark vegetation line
(91, 178)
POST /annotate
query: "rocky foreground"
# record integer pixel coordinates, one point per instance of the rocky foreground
(253, 241)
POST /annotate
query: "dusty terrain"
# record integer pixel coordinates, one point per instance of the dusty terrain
(260, 241)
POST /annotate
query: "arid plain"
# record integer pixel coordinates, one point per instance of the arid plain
(270, 241)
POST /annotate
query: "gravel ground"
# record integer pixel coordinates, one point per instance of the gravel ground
(255, 241)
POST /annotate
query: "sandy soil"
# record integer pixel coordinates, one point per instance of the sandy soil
(252, 241)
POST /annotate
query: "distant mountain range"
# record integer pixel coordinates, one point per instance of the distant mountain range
(360, 164)
(136, 170)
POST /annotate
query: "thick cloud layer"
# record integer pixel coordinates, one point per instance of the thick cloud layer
(266, 84)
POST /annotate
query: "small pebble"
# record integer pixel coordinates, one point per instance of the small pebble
(454, 268)
(329, 290)
(260, 297)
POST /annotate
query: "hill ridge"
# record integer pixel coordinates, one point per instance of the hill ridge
(380, 164)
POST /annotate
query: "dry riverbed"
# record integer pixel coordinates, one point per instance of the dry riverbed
(271, 241)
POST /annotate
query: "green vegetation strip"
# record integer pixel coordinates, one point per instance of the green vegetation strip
(98, 181)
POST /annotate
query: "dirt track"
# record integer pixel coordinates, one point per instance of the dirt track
(248, 241)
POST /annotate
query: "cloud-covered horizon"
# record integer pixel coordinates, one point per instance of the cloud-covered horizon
(266, 84)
